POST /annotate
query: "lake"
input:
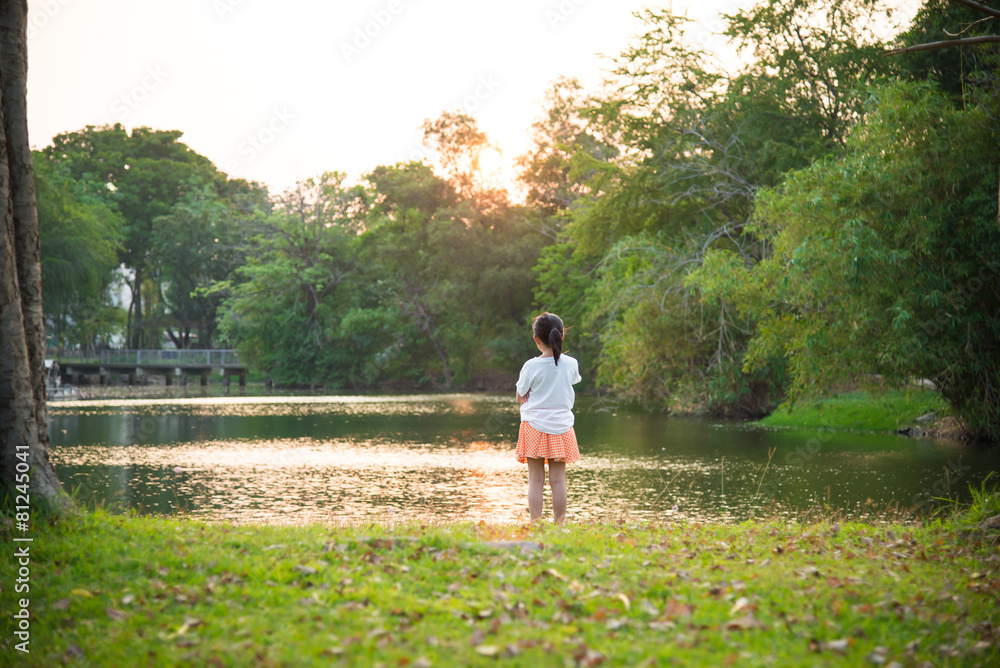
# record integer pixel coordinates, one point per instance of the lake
(445, 457)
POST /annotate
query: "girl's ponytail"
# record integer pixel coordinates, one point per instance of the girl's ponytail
(548, 327)
(555, 342)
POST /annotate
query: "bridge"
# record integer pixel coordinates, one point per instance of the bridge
(139, 364)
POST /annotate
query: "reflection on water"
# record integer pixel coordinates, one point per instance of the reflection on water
(445, 457)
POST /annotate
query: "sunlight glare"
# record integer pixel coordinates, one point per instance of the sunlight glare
(496, 171)
(491, 162)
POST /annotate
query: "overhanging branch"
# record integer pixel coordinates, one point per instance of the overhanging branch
(979, 8)
(982, 39)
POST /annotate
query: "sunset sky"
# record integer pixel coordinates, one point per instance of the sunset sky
(275, 91)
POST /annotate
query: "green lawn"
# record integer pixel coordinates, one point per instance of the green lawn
(127, 591)
(859, 410)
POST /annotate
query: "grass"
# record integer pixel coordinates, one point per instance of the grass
(123, 590)
(984, 503)
(859, 410)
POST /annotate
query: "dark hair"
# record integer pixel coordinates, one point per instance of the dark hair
(548, 327)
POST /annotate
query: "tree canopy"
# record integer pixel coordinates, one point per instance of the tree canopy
(721, 240)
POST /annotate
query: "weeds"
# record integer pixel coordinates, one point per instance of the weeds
(984, 504)
(770, 456)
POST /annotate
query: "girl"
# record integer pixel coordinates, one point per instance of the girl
(545, 392)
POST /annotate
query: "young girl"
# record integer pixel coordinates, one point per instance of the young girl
(545, 392)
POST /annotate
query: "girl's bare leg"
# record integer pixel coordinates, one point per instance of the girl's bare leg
(536, 483)
(557, 481)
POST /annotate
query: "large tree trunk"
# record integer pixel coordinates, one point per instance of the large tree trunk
(23, 422)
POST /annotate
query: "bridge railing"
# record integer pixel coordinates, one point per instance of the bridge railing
(213, 358)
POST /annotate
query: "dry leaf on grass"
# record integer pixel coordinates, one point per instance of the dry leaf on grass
(116, 614)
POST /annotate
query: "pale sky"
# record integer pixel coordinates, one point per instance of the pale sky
(274, 91)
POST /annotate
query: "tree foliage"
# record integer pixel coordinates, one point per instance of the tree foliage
(80, 240)
(718, 237)
(884, 259)
(141, 175)
(285, 304)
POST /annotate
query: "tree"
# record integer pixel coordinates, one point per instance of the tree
(413, 249)
(916, 56)
(960, 41)
(455, 272)
(23, 421)
(79, 237)
(459, 144)
(561, 138)
(284, 306)
(693, 146)
(142, 174)
(200, 243)
(816, 56)
(884, 260)
(955, 70)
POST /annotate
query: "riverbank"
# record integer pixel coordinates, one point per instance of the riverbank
(917, 409)
(122, 590)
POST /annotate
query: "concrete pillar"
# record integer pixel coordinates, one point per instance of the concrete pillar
(204, 378)
(243, 379)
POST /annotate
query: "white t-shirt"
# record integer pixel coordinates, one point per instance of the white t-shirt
(549, 387)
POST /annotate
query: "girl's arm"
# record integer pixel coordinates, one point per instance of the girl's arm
(521, 399)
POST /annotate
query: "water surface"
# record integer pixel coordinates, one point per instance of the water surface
(451, 457)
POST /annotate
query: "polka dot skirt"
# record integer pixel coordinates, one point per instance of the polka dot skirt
(535, 444)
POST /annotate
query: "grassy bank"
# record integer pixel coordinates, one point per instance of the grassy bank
(859, 410)
(122, 591)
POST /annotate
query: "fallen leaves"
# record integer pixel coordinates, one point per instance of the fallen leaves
(311, 568)
(878, 656)
(585, 656)
(839, 646)
(189, 623)
(487, 650)
(744, 623)
(675, 608)
(741, 603)
(116, 614)
(585, 601)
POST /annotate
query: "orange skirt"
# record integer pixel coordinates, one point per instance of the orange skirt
(536, 444)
